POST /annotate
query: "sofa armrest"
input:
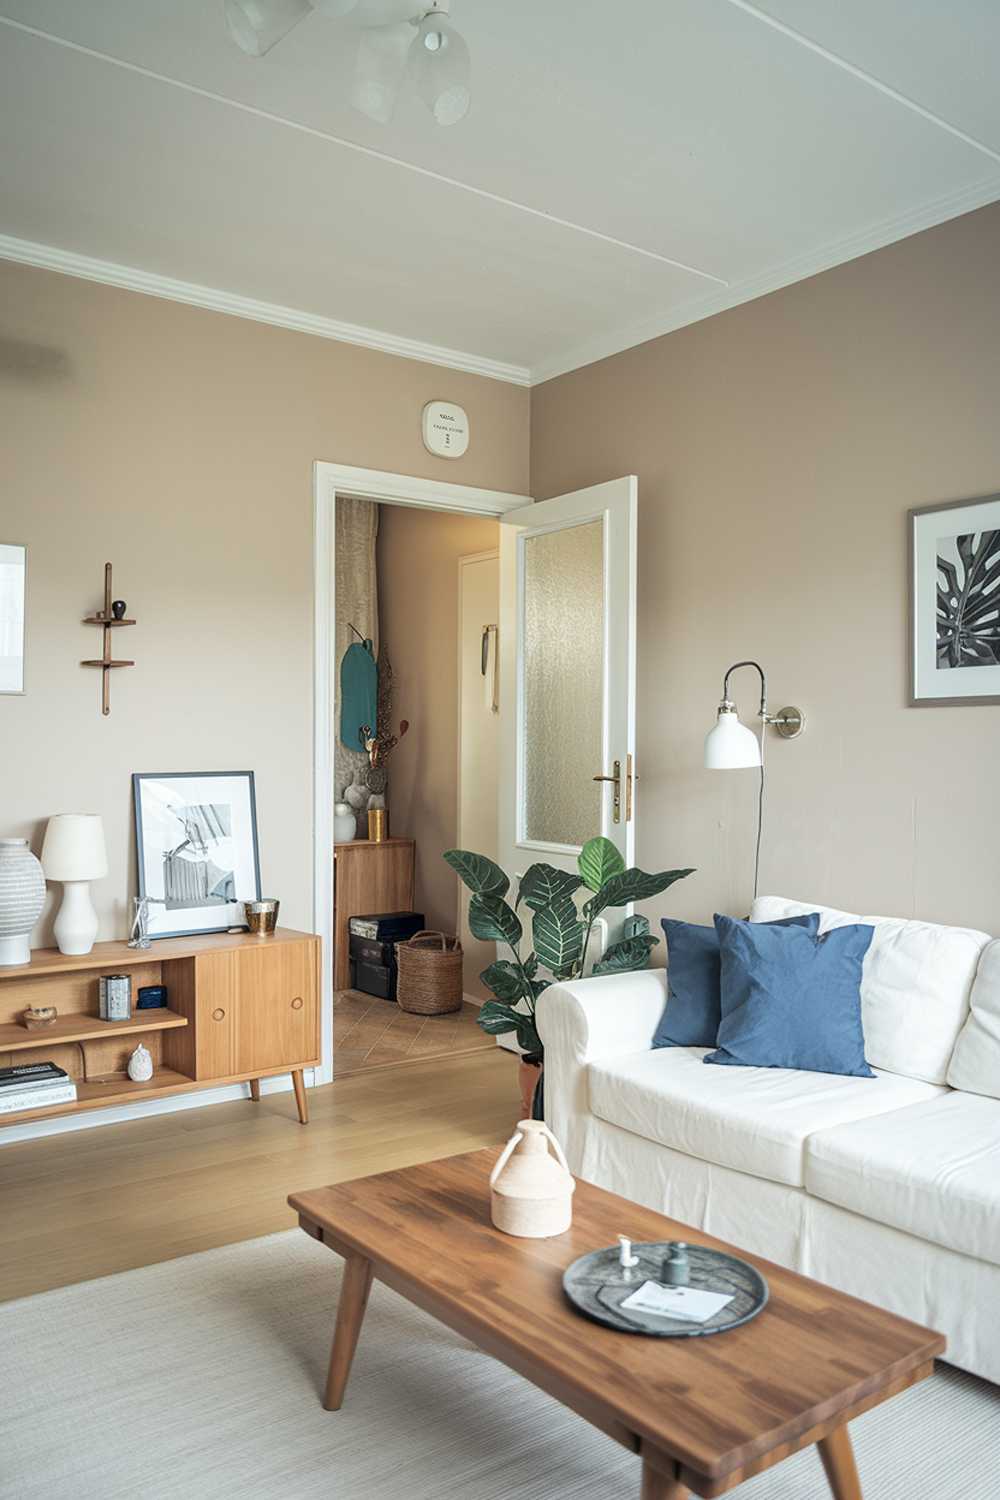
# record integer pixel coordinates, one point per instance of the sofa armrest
(583, 1021)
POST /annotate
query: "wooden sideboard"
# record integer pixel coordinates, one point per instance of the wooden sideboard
(239, 1008)
(369, 877)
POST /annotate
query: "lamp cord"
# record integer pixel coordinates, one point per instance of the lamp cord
(763, 738)
(760, 817)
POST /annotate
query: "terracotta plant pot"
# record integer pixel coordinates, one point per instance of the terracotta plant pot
(528, 1074)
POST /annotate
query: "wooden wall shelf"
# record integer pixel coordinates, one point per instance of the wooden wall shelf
(241, 1008)
(108, 622)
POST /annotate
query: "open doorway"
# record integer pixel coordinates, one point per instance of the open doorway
(398, 585)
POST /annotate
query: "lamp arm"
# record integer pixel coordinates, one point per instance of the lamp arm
(763, 683)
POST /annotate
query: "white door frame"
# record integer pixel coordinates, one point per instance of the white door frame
(329, 480)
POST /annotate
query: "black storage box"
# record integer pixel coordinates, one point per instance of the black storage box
(372, 949)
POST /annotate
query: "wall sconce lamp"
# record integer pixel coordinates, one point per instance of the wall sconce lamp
(731, 746)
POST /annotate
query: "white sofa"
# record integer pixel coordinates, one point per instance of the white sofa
(888, 1188)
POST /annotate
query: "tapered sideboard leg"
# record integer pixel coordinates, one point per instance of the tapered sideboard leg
(298, 1084)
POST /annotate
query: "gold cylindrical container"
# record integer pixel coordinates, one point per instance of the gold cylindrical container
(378, 824)
(262, 916)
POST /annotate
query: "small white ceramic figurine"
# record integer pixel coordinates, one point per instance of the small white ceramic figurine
(140, 1065)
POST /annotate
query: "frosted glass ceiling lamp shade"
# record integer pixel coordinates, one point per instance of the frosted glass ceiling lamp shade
(440, 67)
(381, 64)
(257, 25)
(74, 853)
(730, 745)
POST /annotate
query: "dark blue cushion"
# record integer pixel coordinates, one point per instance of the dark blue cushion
(791, 1000)
(693, 1010)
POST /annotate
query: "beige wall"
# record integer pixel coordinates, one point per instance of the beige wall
(418, 552)
(179, 444)
(778, 447)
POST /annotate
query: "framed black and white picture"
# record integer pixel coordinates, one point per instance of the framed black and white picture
(955, 602)
(196, 845)
(13, 563)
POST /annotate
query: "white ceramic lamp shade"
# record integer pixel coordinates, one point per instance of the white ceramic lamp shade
(730, 745)
(74, 853)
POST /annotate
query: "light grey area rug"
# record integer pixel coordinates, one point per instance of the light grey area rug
(199, 1379)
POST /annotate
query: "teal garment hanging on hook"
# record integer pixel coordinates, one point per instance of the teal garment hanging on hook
(358, 694)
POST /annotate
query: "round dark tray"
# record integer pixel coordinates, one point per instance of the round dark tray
(596, 1285)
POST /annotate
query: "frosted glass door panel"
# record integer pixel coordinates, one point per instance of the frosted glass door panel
(562, 701)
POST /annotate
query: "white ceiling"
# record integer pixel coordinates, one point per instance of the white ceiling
(626, 167)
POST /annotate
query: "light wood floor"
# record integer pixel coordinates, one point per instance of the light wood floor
(98, 1201)
(373, 1033)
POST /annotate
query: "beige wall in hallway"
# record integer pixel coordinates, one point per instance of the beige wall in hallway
(179, 444)
(418, 552)
(778, 447)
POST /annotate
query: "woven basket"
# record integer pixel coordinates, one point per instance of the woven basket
(430, 974)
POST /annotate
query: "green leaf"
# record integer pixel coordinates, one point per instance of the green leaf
(498, 1020)
(492, 920)
(635, 926)
(558, 935)
(599, 860)
(622, 958)
(481, 875)
(632, 885)
(504, 979)
(541, 885)
(531, 965)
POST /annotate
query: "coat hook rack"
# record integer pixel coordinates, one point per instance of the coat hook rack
(110, 618)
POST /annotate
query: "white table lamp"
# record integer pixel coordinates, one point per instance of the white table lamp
(74, 853)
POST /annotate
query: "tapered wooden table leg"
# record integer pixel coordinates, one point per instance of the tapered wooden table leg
(659, 1486)
(838, 1461)
(350, 1315)
(298, 1084)
(255, 1090)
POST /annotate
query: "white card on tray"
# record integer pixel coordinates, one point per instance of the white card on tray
(676, 1302)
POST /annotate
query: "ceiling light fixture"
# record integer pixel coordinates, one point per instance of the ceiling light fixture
(423, 45)
(256, 25)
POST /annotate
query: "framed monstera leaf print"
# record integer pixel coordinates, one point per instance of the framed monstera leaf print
(955, 602)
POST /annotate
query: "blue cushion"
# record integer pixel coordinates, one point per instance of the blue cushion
(693, 1011)
(791, 1000)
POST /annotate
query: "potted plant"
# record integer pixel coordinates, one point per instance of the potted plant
(560, 934)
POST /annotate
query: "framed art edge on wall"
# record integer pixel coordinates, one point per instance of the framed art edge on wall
(928, 700)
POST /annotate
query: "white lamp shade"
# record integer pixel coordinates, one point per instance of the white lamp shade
(730, 745)
(439, 62)
(256, 25)
(74, 847)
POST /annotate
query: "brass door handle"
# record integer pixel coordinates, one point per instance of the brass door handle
(219, 1015)
(297, 1003)
(616, 782)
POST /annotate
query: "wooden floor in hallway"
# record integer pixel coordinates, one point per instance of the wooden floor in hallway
(92, 1202)
(369, 1032)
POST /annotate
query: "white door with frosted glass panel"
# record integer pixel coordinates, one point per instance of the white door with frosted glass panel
(567, 680)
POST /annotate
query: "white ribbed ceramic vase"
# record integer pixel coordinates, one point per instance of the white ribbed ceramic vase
(22, 895)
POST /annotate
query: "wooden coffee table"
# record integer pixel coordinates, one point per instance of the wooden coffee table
(703, 1414)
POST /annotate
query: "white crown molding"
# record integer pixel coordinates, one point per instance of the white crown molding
(827, 258)
(69, 263)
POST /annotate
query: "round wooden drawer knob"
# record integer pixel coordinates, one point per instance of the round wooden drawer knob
(297, 1003)
(218, 1015)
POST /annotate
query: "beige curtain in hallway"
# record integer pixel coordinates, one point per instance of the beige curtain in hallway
(356, 583)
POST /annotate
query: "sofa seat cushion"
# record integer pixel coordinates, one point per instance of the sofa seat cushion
(931, 1170)
(915, 987)
(754, 1120)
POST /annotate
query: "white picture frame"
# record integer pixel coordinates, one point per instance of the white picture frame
(13, 596)
(955, 603)
(196, 849)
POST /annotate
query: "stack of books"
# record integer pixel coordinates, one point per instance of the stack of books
(33, 1086)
